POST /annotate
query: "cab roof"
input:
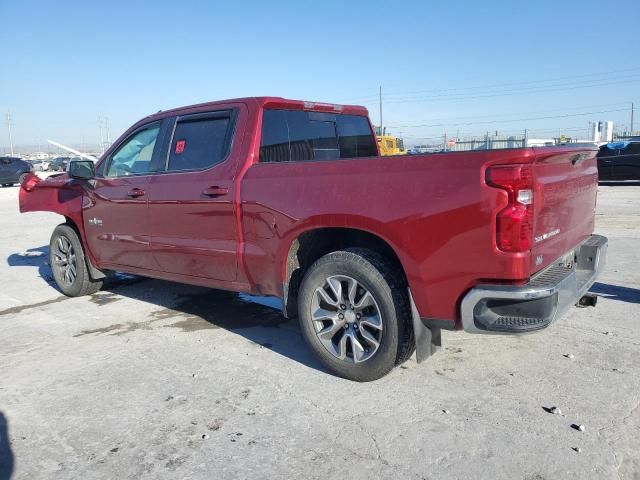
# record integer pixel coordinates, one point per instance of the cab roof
(269, 103)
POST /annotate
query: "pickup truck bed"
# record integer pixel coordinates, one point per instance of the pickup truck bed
(486, 241)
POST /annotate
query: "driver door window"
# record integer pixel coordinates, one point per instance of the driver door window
(134, 156)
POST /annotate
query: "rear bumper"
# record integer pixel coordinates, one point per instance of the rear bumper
(545, 298)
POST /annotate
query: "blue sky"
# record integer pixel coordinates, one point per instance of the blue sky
(465, 67)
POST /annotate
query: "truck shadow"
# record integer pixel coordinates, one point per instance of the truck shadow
(619, 183)
(34, 257)
(189, 309)
(6, 455)
(616, 292)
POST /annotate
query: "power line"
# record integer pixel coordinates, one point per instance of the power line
(438, 98)
(535, 112)
(495, 85)
(505, 121)
(586, 83)
(528, 82)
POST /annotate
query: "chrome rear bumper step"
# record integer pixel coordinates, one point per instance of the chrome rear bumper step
(544, 299)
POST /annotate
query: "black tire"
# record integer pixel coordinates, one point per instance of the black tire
(387, 286)
(71, 285)
(7, 184)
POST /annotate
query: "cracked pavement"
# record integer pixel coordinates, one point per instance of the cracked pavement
(151, 379)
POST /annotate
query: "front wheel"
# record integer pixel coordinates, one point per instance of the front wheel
(68, 263)
(354, 314)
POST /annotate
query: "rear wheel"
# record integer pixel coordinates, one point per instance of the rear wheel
(68, 263)
(354, 314)
(7, 184)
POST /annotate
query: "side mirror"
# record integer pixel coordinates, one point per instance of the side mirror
(81, 169)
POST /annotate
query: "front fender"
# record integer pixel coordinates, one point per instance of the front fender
(58, 194)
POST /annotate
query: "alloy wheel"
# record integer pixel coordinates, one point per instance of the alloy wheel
(347, 319)
(64, 260)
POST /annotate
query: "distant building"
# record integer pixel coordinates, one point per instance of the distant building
(602, 131)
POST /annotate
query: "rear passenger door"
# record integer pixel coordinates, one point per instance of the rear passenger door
(191, 209)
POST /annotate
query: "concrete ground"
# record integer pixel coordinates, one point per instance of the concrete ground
(155, 380)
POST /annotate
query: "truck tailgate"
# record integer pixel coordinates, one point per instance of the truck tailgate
(566, 183)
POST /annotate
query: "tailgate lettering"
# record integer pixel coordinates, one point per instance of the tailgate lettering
(544, 236)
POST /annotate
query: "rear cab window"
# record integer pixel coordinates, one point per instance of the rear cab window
(296, 135)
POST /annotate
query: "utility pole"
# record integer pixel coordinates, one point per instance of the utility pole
(631, 118)
(9, 118)
(381, 130)
(105, 141)
(101, 134)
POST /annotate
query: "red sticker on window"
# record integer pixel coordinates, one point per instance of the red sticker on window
(180, 144)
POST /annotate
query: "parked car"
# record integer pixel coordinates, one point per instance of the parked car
(13, 170)
(619, 161)
(375, 255)
(59, 164)
(40, 165)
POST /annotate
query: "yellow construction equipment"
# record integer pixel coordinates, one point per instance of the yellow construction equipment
(389, 145)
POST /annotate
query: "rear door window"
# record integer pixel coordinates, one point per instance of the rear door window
(292, 135)
(200, 141)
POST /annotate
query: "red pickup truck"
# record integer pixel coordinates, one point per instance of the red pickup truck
(375, 255)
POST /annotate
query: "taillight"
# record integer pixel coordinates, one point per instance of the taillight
(514, 224)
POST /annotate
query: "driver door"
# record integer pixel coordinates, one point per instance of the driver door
(116, 220)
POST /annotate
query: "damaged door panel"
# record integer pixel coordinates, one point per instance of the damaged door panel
(58, 194)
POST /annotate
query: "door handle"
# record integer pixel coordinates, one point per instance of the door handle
(215, 191)
(135, 193)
